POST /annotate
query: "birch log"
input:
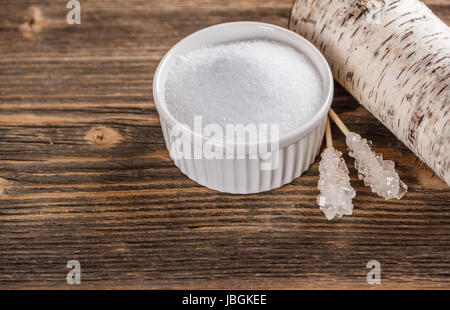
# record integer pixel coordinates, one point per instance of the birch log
(393, 56)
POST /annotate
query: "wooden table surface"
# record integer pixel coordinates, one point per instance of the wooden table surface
(85, 174)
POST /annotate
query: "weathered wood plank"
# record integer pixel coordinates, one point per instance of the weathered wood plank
(116, 202)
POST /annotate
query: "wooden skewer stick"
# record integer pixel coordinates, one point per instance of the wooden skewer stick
(328, 134)
(338, 122)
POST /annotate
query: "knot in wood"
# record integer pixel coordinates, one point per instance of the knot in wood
(33, 22)
(103, 137)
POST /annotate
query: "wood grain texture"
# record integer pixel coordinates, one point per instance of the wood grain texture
(84, 172)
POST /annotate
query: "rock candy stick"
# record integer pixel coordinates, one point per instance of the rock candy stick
(336, 193)
(377, 173)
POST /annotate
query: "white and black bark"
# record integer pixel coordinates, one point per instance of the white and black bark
(393, 56)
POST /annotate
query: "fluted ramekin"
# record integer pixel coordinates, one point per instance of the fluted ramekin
(294, 151)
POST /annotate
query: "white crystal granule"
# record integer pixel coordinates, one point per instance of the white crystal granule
(336, 193)
(377, 173)
(244, 82)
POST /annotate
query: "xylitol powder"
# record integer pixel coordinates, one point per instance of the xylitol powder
(244, 82)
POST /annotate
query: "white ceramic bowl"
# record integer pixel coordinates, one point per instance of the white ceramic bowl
(294, 152)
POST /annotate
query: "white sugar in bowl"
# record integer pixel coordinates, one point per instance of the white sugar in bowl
(227, 100)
